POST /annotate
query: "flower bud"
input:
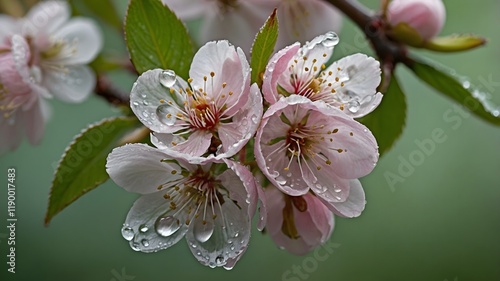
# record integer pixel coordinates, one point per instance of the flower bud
(426, 17)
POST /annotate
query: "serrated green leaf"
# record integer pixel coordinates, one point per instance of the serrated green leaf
(458, 90)
(82, 166)
(388, 120)
(263, 47)
(454, 43)
(156, 38)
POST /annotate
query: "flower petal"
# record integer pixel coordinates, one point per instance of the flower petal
(86, 36)
(73, 85)
(45, 18)
(301, 19)
(230, 70)
(231, 228)
(196, 145)
(354, 205)
(151, 225)
(139, 168)
(150, 101)
(189, 9)
(360, 90)
(278, 64)
(236, 134)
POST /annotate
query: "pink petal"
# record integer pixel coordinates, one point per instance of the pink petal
(303, 19)
(228, 65)
(354, 205)
(196, 145)
(277, 65)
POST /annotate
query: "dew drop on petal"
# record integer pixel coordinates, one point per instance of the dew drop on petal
(145, 242)
(354, 106)
(166, 226)
(330, 39)
(203, 231)
(165, 114)
(168, 78)
(127, 233)
(220, 260)
(143, 228)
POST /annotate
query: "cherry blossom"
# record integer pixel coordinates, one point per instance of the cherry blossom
(213, 114)
(304, 146)
(211, 205)
(349, 84)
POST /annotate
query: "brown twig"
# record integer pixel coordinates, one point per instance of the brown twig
(110, 93)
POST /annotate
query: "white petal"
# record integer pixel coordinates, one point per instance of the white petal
(364, 77)
(86, 36)
(148, 96)
(45, 18)
(9, 26)
(230, 66)
(301, 20)
(231, 228)
(354, 205)
(190, 9)
(146, 222)
(138, 168)
(196, 145)
(73, 86)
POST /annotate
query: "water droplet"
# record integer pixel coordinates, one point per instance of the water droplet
(145, 242)
(255, 119)
(330, 39)
(198, 253)
(168, 78)
(203, 232)
(236, 234)
(166, 226)
(281, 180)
(145, 102)
(230, 241)
(289, 174)
(220, 261)
(354, 106)
(145, 114)
(143, 228)
(135, 103)
(135, 246)
(166, 114)
(232, 248)
(128, 233)
(337, 190)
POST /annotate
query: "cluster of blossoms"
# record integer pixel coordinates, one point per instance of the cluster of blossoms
(198, 181)
(235, 19)
(42, 55)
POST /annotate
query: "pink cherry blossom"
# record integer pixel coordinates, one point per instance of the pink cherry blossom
(235, 20)
(301, 20)
(213, 114)
(43, 55)
(239, 20)
(23, 110)
(211, 205)
(349, 84)
(427, 17)
(304, 146)
(297, 224)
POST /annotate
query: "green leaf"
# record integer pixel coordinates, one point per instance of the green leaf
(263, 47)
(403, 32)
(458, 90)
(102, 64)
(156, 38)
(454, 43)
(82, 166)
(388, 120)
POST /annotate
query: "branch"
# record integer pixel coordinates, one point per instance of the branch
(110, 93)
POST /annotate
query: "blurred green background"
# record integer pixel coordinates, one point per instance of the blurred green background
(441, 223)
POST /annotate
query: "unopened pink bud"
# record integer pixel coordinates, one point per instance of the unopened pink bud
(427, 17)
